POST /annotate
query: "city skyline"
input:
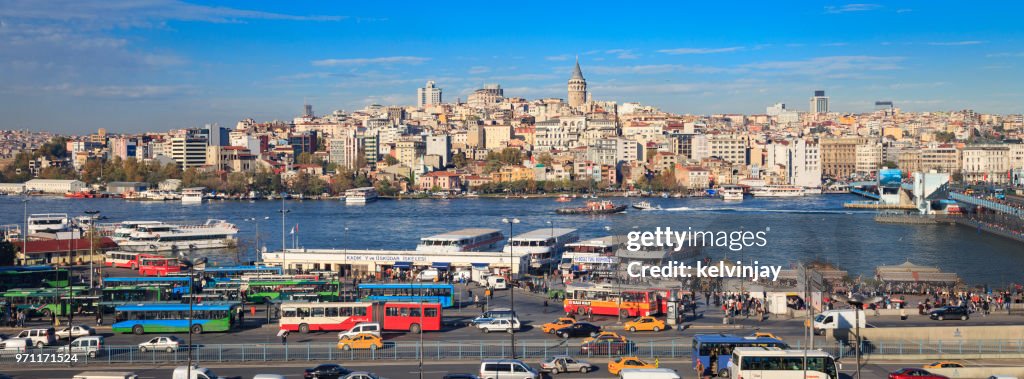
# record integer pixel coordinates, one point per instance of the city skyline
(159, 65)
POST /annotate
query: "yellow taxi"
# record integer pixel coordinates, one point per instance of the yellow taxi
(562, 322)
(605, 336)
(360, 341)
(628, 362)
(764, 335)
(646, 323)
(944, 364)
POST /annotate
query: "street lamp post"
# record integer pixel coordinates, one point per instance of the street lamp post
(191, 298)
(422, 309)
(511, 288)
(24, 233)
(284, 239)
(256, 223)
(857, 301)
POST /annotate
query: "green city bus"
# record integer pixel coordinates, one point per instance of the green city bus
(32, 277)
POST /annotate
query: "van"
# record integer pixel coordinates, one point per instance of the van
(14, 346)
(507, 369)
(106, 375)
(494, 314)
(648, 373)
(428, 275)
(363, 327)
(497, 282)
(38, 337)
(91, 346)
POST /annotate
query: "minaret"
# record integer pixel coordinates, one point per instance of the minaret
(577, 87)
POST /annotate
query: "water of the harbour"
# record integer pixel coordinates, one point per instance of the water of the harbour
(800, 229)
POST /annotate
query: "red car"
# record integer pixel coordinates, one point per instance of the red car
(914, 373)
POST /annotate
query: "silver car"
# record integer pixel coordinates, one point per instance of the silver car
(169, 344)
(562, 363)
(75, 332)
(361, 375)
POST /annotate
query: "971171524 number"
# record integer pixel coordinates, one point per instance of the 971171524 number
(46, 358)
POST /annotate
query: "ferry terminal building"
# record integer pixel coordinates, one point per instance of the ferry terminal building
(376, 263)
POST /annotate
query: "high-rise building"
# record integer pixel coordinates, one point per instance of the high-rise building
(188, 152)
(344, 149)
(577, 87)
(440, 145)
(819, 102)
(429, 95)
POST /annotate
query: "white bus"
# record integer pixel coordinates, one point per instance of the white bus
(472, 239)
(776, 363)
(545, 246)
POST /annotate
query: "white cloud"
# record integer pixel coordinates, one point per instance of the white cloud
(139, 13)
(475, 70)
(956, 43)
(656, 69)
(367, 61)
(851, 8)
(831, 66)
(118, 91)
(623, 53)
(693, 50)
(563, 57)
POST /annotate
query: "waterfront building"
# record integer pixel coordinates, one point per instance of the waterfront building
(869, 159)
(379, 262)
(839, 156)
(728, 147)
(442, 180)
(987, 162)
(54, 186)
(428, 95)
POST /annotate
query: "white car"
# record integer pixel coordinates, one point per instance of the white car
(362, 375)
(169, 344)
(499, 325)
(75, 332)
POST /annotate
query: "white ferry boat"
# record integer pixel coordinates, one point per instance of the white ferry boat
(360, 195)
(214, 234)
(545, 246)
(731, 193)
(124, 229)
(472, 239)
(592, 255)
(778, 191)
(192, 195)
(48, 223)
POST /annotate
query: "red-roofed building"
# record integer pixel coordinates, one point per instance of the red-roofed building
(56, 251)
(443, 180)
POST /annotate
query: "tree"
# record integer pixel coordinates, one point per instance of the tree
(391, 161)
(385, 188)
(889, 164)
(944, 137)
(459, 160)
(342, 181)
(8, 253)
(546, 159)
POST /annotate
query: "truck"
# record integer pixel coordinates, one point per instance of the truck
(182, 372)
(839, 319)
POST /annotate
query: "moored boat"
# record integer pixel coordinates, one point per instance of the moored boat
(593, 207)
(646, 206)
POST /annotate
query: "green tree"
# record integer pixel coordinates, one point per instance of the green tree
(391, 161)
(546, 159)
(8, 253)
(459, 160)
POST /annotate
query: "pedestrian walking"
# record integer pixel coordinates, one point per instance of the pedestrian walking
(99, 318)
(284, 336)
(545, 305)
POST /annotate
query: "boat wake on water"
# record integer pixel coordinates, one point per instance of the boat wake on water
(760, 210)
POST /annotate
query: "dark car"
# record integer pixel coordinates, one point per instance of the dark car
(950, 313)
(607, 345)
(326, 371)
(579, 329)
(914, 373)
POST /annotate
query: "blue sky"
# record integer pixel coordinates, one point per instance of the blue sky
(155, 65)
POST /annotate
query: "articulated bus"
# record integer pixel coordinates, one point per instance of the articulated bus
(125, 259)
(158, 266)
(410, 317)
(32, 277)
(721, 346)
(776, 363)
(408, 292)
(610, 300)
(173, 318)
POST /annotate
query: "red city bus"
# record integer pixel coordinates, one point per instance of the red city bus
(158, 266)
(611, 300)
(125, 259)
(409, 317)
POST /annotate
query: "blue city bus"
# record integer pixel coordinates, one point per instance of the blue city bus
(721, 345)
(173, 318)
(408, 292)
(179, 284)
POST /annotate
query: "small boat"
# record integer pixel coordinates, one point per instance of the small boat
(593, 208)
(563, 199)
(646, 206)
